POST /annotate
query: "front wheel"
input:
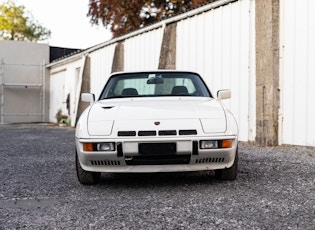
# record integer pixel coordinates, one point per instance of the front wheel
(85, 177)
(228, 173)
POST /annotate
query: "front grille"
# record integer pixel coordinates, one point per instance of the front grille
(159, 160)
(105, 162)
(157, 148)
(210, 160)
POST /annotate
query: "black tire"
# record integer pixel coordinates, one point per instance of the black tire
(85, 177)
(228, 173)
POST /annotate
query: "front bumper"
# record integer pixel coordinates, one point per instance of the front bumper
(127, 156)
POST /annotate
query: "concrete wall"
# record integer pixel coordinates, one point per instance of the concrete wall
(267, 71)
(118, 60)
(168, 48)
(85, 87)
(24, 87)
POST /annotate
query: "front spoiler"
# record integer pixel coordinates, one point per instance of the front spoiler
(206, 159)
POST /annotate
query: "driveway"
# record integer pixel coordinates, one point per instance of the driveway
(275, 189)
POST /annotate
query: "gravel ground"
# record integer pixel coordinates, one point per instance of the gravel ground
(275, 189)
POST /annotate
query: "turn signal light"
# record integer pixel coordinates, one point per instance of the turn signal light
(226, 143)
(88, 147)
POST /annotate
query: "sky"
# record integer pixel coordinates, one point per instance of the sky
(67, 21)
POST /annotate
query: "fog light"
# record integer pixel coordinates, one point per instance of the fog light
(108, 146)
(209, 144)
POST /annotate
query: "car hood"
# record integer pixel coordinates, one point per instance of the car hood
(142, 113)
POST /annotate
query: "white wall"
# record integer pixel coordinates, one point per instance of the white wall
(64, 80)
(57, 94)
(218, 45)
(297, 71)
(101, 67)
(142, 52)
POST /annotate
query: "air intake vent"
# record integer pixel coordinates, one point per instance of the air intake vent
(188, 132)
(127, 133)
(167, 132)
(159, 160)
(210, 160)
(154, 133)
(147, 133)
(106, 162)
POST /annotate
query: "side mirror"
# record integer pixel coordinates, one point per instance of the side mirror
(88, 97)
(224, 94)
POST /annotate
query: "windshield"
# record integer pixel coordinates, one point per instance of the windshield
(155, 84)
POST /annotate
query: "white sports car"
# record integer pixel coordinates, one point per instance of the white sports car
(158, 121)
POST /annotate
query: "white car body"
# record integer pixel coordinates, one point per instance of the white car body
(155, 134)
